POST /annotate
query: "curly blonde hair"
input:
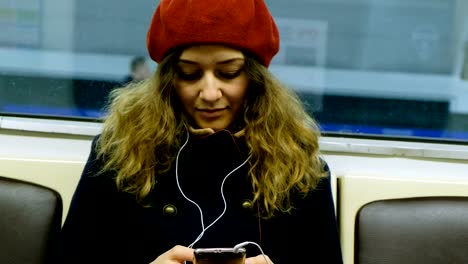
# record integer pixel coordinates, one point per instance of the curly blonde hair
(145, 124)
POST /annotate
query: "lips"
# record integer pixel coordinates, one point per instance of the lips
(210, 112)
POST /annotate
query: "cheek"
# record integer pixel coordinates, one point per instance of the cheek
(184, 95)
(240, 93)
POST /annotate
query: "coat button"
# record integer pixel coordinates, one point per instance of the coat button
(169, 210)
(247, 204)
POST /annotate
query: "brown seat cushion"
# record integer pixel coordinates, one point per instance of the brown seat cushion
(426, 230)
(30, 221)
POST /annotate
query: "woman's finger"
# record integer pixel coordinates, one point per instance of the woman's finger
(177, 254)
(260, 259)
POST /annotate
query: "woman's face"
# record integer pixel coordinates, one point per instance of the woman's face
(211, 84)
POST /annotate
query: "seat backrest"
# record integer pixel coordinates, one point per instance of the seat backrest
(30, 221)
(424, 230)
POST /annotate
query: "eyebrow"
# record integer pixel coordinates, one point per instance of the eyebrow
(228, 61)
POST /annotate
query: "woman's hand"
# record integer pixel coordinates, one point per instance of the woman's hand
(260, 259)
(175, 255)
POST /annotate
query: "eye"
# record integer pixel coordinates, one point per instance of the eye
(189, 76)
(229, 74)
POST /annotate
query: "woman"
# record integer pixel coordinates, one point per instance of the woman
(212, 151)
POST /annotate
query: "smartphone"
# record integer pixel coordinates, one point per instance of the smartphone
(219, 256)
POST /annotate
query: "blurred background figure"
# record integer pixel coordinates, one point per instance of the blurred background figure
(139, 70)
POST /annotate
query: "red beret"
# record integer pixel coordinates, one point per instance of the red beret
(243, 24)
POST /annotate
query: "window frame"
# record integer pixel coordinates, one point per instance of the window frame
(329, 142)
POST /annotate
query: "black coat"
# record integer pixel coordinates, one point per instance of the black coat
(107, 226)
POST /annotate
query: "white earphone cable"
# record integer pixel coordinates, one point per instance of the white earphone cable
(243, 244)
(183, 194)
(193, 202)
(236, 247)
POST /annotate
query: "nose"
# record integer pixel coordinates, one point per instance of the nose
(210, 90)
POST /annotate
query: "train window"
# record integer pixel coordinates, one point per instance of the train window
(365, 68)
